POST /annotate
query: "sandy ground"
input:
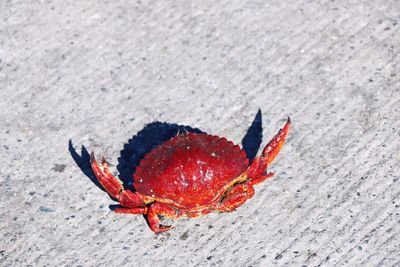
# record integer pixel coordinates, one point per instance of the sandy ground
(118, 77)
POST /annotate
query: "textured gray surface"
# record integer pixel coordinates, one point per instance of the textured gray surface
(97, 72)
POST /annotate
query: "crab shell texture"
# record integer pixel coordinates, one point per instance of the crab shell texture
(190, 170)
(190, 175)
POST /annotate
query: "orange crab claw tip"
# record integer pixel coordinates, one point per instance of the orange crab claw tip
(289, 120)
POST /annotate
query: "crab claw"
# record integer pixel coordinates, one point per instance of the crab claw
(269, 153)
(111, 184)
(114, 186)
(274, 146)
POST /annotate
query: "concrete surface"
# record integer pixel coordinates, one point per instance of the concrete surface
(95, 73)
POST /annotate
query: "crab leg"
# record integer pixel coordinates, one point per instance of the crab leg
(239, 194)
(113, 186)
(138, 210)
(155, 210)
(192, 214)
(261, 178)
(269, 153)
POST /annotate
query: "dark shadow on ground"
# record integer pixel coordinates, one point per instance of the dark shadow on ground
(252, 140)
(149, 137)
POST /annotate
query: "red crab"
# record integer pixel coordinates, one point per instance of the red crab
(190, 175)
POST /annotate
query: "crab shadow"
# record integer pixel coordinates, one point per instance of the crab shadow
(152, 135)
